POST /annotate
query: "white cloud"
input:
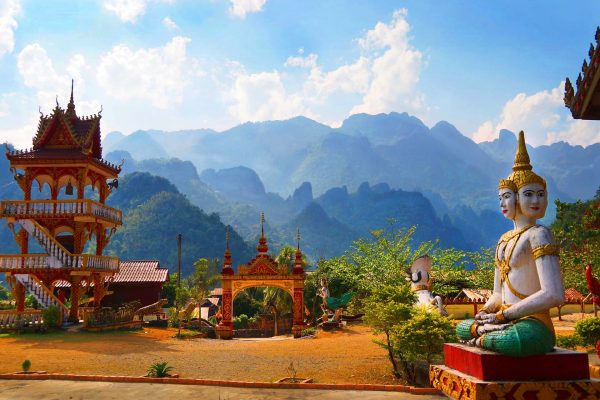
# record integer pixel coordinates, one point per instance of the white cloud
(395, 73)
(543, 117)
(239, 8)
(262, 96)
(38, 72)
(9, 10)
(159, 75)
(170, 24)
(126, 10)
(309, 61)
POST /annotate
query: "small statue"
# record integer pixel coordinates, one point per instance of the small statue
(333, 304)
(420, 279)
(527, 282)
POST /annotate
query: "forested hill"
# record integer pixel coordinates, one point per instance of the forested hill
(154, 212)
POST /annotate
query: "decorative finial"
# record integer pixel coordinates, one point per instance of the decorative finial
(522, 170)
(57, 101)
(40, 111)
(101, 109)
(262, 247)
(72, 81)
(522, 162)
(227, 237)
(71, 105)
(298, 238)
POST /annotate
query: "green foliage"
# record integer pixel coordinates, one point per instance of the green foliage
(388, 306)
(454, 270)
(169, 290)
(26, 365)
(569, 341)
(4, 293)
(51, 317)
(577, 230)
(240, 322)
(202, 279)
(31, 302)
(422, 337)
(154, 213)
(159, 369)
(588, 330)
(173, 317)
(310, 331)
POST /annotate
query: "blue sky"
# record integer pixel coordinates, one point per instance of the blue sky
(189, 64)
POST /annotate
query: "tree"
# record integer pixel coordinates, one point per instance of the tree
(201, 280)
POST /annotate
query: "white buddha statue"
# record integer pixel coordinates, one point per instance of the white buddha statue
(528, 282)
(420, 278)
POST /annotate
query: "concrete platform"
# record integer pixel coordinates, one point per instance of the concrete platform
(82, 390)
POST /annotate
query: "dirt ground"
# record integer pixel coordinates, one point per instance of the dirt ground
(346, 356)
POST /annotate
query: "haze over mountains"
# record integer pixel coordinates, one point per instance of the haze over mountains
(337, 184)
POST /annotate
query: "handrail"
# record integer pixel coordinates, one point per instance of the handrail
(49, 293)
(10, 262)
(51, 208)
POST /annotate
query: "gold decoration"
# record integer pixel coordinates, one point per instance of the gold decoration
(420, 287)
(507, 184)
(500, 317)
(522, 170)
(504, 265)
(546, 250)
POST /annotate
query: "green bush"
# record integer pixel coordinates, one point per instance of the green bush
(309, 331)
(26, 365)
(51, 317)
(588, 330)
(569, 341)
(159, 370)
(240, 322)
(173, 317)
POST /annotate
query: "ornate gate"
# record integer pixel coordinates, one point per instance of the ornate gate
(262, 270)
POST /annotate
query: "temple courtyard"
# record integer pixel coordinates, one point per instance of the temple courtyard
(346, 356)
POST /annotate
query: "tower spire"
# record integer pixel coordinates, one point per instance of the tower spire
(71, 105)
(227, 270)
(298, 259)
(262, 247)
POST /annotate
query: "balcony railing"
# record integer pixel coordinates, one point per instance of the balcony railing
(59, 208)
(21, 263)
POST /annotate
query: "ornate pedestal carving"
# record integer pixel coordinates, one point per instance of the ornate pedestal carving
(476, 374)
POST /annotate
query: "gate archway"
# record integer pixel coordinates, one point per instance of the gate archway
(261, 271)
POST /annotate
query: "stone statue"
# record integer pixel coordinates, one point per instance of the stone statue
(420, 279)
(527, 283)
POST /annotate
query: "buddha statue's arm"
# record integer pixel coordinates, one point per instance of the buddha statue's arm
(495, 300)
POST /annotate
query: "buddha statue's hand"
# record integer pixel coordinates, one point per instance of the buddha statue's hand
(487, 328)
(491, 318)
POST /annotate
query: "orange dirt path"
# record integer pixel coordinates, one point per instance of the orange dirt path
(347, 356)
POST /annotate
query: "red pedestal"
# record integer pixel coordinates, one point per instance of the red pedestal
(560, 365)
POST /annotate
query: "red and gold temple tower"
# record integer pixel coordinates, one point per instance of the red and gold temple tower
(67, 157)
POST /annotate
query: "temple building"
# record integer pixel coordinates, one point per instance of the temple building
(584, 102)
(66, 165)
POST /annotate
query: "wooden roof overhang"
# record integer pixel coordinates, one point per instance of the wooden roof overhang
(62, 158)
(584, 102)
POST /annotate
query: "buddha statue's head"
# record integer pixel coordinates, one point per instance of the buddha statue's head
(532, 197)
(507, 195)
(420, 273)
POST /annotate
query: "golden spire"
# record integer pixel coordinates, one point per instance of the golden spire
(262, 247)
(522, 162)
(298, 259)
(227, 270)
(522, 170)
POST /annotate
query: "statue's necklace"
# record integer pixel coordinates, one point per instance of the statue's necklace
(504, 264)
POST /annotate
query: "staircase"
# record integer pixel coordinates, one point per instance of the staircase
(42, 294)
(59, 256)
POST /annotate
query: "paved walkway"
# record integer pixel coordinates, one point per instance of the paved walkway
(80, 390)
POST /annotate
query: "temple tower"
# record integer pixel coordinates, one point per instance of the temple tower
(66, 165)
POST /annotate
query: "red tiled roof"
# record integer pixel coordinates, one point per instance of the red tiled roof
(138, 271)
(573, 294)
(141, 271)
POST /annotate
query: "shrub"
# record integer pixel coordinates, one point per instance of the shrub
(159, 370)
(26, 365)
(309, 331)
(173, 317)
(569, 341)
(240, 322)
(588, 330)
(51, 317)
